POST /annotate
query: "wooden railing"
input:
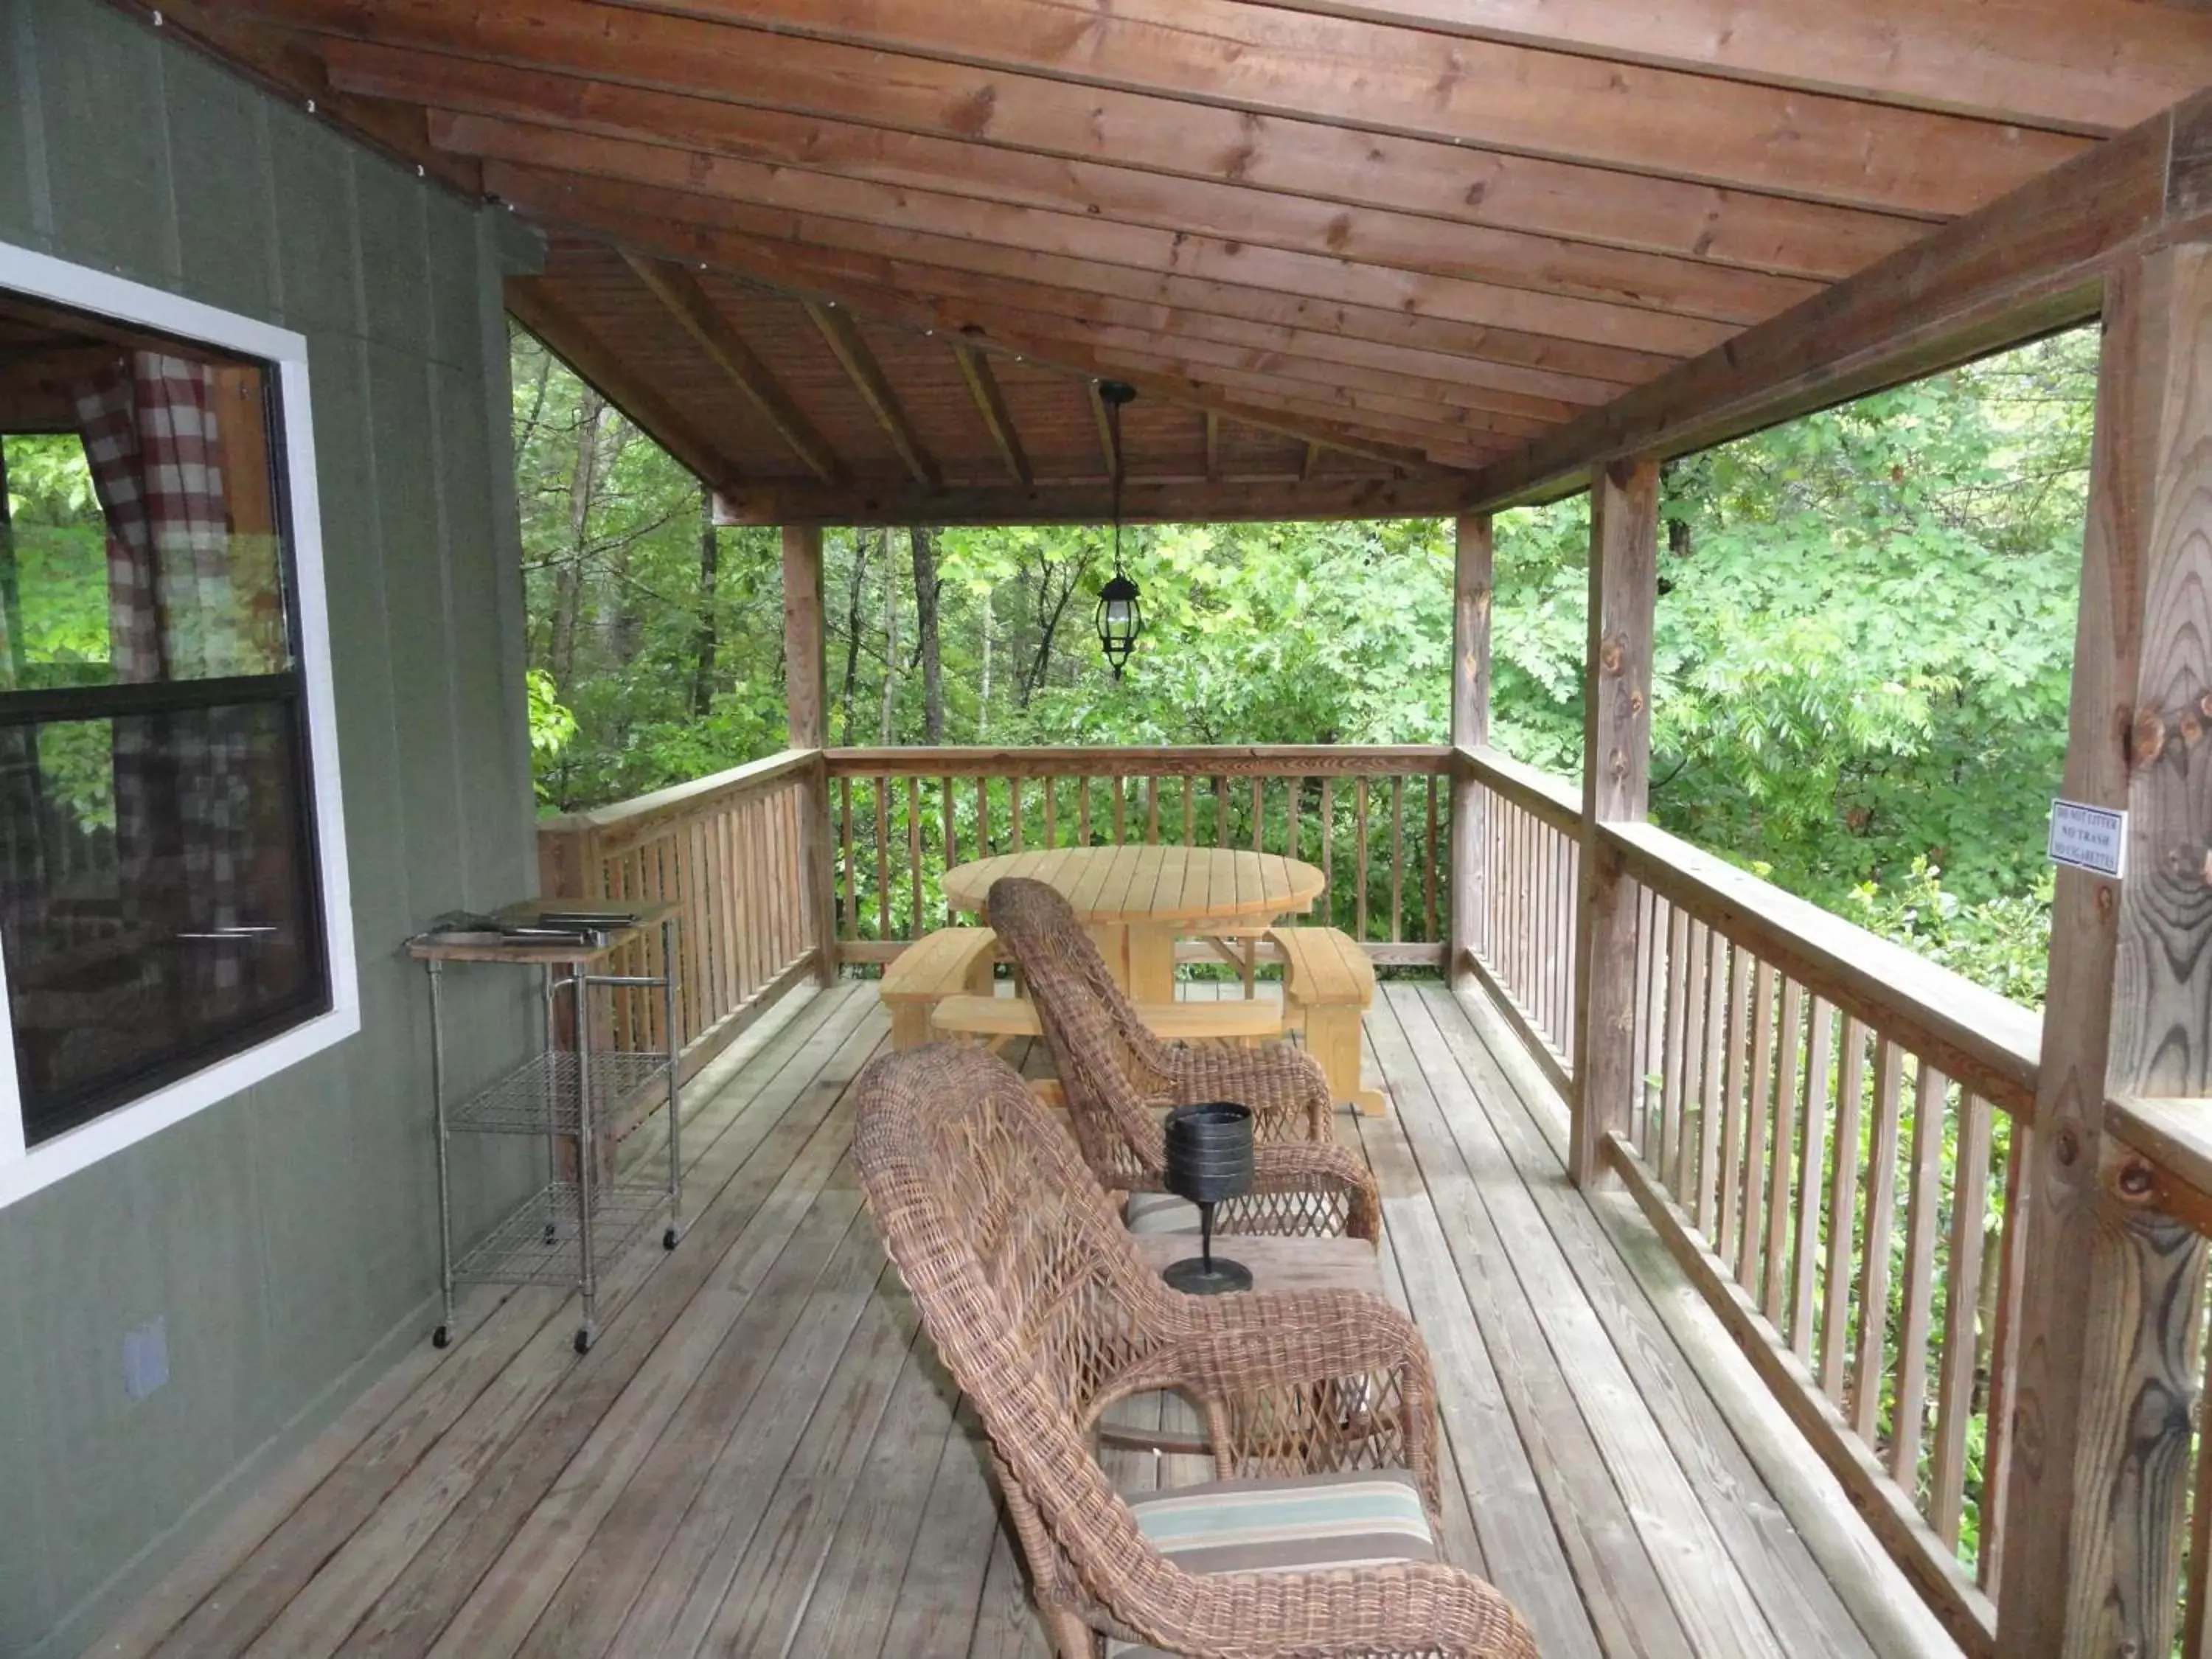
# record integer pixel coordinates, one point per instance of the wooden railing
(1526, 849)
(729, 851)
(1829, 1135)
(1373, 819)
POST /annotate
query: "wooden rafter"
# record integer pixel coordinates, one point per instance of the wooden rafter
(687, 302)
(842, 335)
(540, 310)
(1447, 180)
(1312, 460)
(2025, 265)
(1145, 499)
(991, 405)
(717, 180)
(1109, 193)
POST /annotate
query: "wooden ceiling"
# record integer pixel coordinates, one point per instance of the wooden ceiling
(864, 260)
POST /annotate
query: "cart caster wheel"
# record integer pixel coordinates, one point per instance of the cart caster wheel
(584, 1340)
(668, 1239)
(441, 1338)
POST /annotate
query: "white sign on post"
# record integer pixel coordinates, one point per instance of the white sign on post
(2092, 838)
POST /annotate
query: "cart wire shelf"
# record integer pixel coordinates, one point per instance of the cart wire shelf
(539, 1096)
(536, 1242)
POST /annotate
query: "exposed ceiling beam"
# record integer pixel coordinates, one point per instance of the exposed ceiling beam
(1315, 275)
(842, 335)
(679, 291)
(1239, 56)
(991, 405)
(548, 196)
(2092, 66)
(1440, 179)
(2027, 264)
(540, 310)
(1105, 192)
(616, 209)
(1144, 501)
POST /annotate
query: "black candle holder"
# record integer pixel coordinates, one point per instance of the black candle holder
(1209, 1156)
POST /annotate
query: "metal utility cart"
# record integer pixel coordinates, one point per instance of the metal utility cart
(582, 1218)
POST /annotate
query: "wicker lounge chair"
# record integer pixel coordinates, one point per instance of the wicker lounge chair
(1320, 1403)
(1120, 1080)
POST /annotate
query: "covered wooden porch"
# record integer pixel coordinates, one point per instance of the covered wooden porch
(761, 1456)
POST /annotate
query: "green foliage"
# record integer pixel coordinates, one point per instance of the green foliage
(57, 615)
(1864, 639)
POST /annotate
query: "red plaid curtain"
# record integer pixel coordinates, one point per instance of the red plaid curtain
(149, 429)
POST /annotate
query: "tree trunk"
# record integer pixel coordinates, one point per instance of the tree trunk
(983, 708)
(925, 622)
(890, 638)
(704, 638)
(569, 588)
(853, 595)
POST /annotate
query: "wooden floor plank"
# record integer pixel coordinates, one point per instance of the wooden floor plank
(1620, 1583)
(763, 1456)
(486, 1577)
(1799, 1602)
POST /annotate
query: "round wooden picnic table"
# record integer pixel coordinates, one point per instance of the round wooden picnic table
(1138, 901)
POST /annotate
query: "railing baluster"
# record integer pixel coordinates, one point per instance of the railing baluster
(1689, 1120)
(1259, 813)
(1713, 1035)
(1671, 1072)
(983, 846)
(1189, 783)
(1397, 859)
(1867, 1368)
(947, 796)
(1120, 834)
(1908, 1421)
(883, 858)
(2000, 1363)
(852, 870)
(1789, 1040)
(1758, 1109)
(914, 928)
(1083, 812)
(1733, 1101)
(1151, 811)
(1843, 1205)
(1221, 835)
(1428, 869)
(1962, 1278)
(1360, 852)
(1014, 829)
(1051, 820)
(1812, 1145)
(1328, 852)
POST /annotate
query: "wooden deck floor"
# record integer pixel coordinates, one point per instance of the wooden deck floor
(761, 1456)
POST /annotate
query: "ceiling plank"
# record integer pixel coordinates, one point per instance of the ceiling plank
(619, 209)
(1442, 179)
(688, 304)
(1236, 55)
(1144, 501)
(538, 307)
(1212, 446)
(2089, 66)
(1110, 194)
(839, 332)
(991, 405)
(2028, 263)
(1312, 460)
(715, 178)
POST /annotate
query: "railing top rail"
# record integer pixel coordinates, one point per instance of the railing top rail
(1240, 760)
(1988, 1042)
(637, 816)
(1558, 801)
(2175, 1136)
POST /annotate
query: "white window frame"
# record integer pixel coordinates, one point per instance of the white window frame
(25, 1169)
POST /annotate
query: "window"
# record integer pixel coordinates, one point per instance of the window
(168, 829)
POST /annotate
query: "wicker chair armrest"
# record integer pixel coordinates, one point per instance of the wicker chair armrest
(1284, 1086)
(1422, 1606)
(1348, 1200)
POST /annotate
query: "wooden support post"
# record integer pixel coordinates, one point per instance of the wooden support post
(2102, 1408)
(806, 702)
(1624, 570)
(1472, 584)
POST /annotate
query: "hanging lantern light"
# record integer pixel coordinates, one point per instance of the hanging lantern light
(1120, 617)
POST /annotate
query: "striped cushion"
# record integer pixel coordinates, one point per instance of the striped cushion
(1160, 1212)
(1309, 1523)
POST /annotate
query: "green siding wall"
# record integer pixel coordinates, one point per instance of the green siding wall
(290, 1234)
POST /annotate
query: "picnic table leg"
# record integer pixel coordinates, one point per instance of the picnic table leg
(1150, 963)
(1332, 1039)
